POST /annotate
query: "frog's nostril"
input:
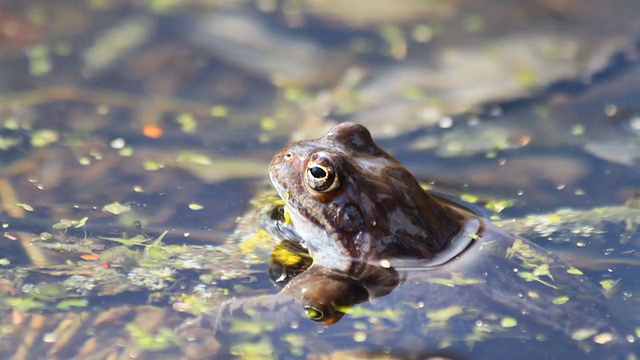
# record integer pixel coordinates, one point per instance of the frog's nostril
(288, 156)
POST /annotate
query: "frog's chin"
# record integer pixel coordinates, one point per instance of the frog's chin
(325, 250)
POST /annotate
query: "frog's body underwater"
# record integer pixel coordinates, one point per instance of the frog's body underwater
(451, 279)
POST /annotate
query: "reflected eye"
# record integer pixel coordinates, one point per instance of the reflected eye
(313, 313)
(321, 175)
(326, 315)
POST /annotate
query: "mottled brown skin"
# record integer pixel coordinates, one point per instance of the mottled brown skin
(372, 208)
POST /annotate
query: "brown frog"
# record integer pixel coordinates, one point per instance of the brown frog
(353, 204)
(374, 237)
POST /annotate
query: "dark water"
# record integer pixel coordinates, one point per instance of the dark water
(175, 111)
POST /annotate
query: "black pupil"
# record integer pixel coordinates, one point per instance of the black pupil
(318, 172)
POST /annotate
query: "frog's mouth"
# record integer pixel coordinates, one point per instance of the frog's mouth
(297, 217)
(292, 215)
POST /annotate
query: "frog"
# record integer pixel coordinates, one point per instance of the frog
(369, 242)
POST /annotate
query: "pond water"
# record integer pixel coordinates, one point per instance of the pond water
(135, 139)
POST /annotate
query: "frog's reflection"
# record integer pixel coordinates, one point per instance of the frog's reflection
(325, 294)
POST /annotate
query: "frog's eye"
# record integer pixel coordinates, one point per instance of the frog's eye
(324, 314)
(321, 175)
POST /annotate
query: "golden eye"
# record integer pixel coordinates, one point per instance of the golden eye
(321, 175)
